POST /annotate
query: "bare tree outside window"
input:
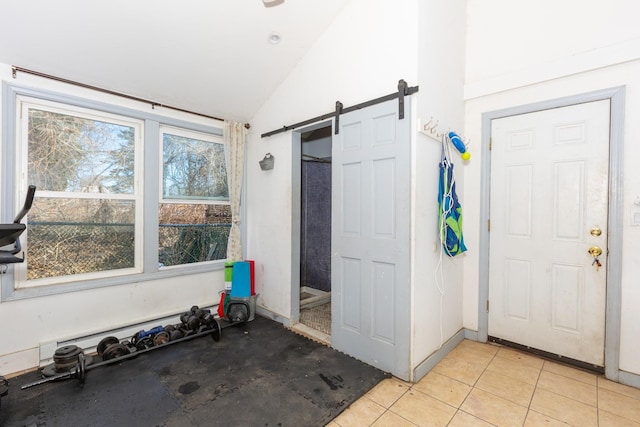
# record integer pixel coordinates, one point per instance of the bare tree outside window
(195, 217)
(68, 158)
(86, 219)
(193, 169)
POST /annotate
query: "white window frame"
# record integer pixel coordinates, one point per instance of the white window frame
(26, 103)
(186, 133)
(13, 185)
(172, 130)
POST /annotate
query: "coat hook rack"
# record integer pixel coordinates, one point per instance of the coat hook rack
(430, 128)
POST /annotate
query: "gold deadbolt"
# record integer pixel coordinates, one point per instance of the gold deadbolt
(595, 231)
(595, 251)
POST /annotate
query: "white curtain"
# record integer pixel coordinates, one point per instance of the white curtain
(234, 139)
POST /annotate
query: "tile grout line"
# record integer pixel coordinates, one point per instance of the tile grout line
(379, 416)
(535, 388)
(473, 386)
(396, 414)
(597, 401)
(544, 367)
(389, 408)
(570, 397)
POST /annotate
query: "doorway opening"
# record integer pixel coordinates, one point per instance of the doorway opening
(315, 231)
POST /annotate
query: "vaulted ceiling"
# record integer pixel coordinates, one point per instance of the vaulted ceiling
(210, 56)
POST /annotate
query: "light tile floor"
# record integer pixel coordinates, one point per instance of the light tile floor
(488, 385)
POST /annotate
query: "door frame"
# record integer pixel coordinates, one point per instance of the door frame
(296, 200)
(616, 96)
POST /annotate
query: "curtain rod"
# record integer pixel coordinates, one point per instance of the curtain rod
(14, 72)
(403, 90)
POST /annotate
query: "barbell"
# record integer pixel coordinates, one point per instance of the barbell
(81, 368)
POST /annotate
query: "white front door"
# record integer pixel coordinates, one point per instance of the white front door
(548, 207)
(370, 251)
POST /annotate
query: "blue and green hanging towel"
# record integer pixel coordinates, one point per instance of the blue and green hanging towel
(449, 208)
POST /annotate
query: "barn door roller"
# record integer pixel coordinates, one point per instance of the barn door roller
(402, 91)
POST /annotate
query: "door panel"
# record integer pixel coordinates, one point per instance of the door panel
(549, 188)
(370, 238)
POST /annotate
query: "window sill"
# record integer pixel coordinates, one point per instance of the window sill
(42, 291)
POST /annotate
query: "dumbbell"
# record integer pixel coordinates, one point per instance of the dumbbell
(79, 371)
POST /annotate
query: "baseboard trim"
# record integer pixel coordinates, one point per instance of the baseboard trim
(471, 335)
(89, 340)
(273, 316)
(628, 378)
(423, 368)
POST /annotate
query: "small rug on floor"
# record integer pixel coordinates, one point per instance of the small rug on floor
(258, 374)
(318, 318)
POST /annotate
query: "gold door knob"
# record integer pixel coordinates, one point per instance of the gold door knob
(595, 251)
(595, 231)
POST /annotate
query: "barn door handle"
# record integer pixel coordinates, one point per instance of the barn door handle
(595, 251)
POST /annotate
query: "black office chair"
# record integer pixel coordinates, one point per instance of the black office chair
(10, 233)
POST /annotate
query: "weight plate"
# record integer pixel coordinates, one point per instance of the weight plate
(114, 350)
(176, 334)
(66, 358)
(161, 338)
(216, 331)
(49, 370)
(66, 354)
(104, 343)
(144, 343)
(193, 323)
(63, 367)
(184, 318)
(135, 338)
(67, 350)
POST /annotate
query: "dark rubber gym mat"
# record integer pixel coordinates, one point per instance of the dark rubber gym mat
(258, 374)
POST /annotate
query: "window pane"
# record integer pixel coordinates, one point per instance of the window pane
(72, 236)
(193, 233)
(74, 154)
(193, 169)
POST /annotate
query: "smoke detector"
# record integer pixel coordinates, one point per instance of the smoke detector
(274, 38)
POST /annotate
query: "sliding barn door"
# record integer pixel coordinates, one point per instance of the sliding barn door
(370, 237)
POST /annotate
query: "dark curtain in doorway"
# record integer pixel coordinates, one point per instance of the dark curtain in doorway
(315, 230)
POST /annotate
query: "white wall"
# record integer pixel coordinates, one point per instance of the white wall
(585, 46)
(369, 47)
(362, 55)
(516, 36)
(29, 322)
(436, 315)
